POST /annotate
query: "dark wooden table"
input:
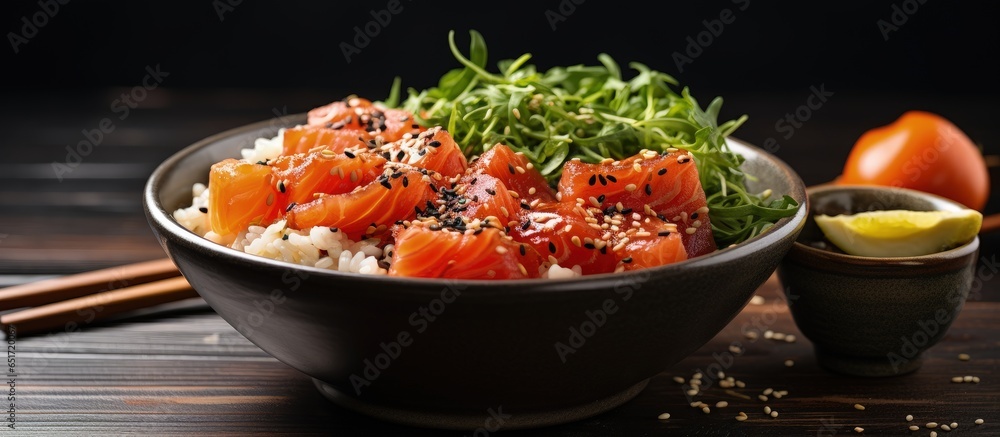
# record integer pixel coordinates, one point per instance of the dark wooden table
(181, 369)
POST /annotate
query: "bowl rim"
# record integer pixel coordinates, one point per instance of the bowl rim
(162, 220)
(942, 257)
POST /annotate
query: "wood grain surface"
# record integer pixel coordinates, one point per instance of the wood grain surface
(181, 369)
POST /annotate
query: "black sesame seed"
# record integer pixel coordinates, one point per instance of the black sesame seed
(333, 229)
(525, 206)
(662, 171)
(552, 247)
(290, 206)
(604, 250)
(626, 211)
(386, 184)
(612, 178)
(434, 143)
(525, 226)
(435, 227)
(603, 181)
(400, 155)
(593, 180)
(349, 154)
(491, 192)
(589, 245)
(338, 125)
(434, 188)
(203, 210)
(284, 237)
(627, 260)
(663, 233)
(396, 175)
(600, 199)
(649, 190)
(478, 231)
(694, 216)
(661, 217)
(417, 209)
(406, 182)
(281, 186)
(414, 126)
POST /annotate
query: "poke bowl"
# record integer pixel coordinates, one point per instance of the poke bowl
(447, 353)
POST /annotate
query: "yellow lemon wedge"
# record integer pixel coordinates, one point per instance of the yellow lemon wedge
(894, 233)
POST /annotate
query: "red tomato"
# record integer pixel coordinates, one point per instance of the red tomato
(921, 151)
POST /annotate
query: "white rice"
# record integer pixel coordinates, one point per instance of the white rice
(315, 247)
(265, 149)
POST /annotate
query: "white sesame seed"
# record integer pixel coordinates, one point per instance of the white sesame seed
(768, 391)
(954, 425)
(752, 335)
(933, 434)
(945, 427)
(778, 336)
(963, 357)
(967, 378)
(914, 428)
(859, 429)
(630, 187)
(774, 414)
(762, 397)
(691, 231)
(517, 113)
(979, 421)
(692, 392)
(721, 404)
(768, 334)
(757, 300)
(789, 338)
(931, 425)
(735, 349)
(859, 407)
(679, 380)
(789, 363)
(975, 379)
(956, 379)
(663, 416)
(909, 418)
(706, 410)
(741, 384)
(767, 410)
(741, 418)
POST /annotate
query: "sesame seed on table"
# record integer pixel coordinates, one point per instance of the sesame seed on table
(180, 368)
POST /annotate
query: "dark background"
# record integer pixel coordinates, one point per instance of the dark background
(262, 56)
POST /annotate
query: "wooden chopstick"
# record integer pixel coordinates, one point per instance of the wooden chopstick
(72, 314)
(73, 286)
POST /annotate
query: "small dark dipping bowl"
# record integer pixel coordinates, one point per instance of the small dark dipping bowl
(446, 353)
(870, 316)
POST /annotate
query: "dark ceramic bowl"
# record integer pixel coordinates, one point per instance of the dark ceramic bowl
(870, 316)
(450, 354)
